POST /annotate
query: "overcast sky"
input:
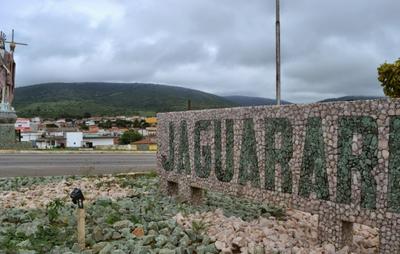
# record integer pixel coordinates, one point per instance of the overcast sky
(227, 47)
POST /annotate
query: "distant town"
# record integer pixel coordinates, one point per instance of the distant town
(102, 133)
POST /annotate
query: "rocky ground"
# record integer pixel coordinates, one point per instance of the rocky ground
(127, 214)
(295, 234)
(37, 192)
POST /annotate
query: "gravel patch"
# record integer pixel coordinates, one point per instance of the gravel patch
(128, 214)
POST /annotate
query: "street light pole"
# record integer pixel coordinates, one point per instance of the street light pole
(278, 53)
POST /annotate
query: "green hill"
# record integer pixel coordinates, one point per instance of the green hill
(246, 101)
(353, 98)
(77, 99)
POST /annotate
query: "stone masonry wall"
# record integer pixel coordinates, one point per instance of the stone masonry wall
(7, 134)
(338, 160)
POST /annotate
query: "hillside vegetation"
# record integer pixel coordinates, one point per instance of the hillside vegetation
(77, 99)
(353, 98)
(253, 101)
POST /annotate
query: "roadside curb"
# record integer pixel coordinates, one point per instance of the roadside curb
(74, 152)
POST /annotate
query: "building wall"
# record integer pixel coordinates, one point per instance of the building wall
(56, 133)
(74, 139)
(42, 145)
(100, 141)
(22, 123)
(7, 135)
(143, 132)
(116, 147)
(338, 160)
(142, 147)
(30, 136)
(151, 131)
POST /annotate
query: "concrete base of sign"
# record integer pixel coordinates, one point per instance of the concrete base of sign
(7, 129)
(7, 132)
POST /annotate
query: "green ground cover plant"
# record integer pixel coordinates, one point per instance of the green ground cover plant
(110, 223)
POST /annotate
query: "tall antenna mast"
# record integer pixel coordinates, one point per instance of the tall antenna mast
(278, 53)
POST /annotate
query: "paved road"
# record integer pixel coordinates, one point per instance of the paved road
(50, 164)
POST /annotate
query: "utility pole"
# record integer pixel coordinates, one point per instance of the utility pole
(278, 53)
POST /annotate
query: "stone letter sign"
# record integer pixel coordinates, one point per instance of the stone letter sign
(338, 160)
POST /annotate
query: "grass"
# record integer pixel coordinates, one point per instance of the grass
(53, 209)
(199, 226)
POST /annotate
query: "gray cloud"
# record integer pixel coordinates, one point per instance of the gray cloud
(329, 48)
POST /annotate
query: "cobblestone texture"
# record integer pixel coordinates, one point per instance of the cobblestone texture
(7, 132)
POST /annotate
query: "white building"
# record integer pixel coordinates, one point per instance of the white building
(61, 123)
(90, 123)
(144, 132)
(35, 123)
(29, 136)
(22, 124)
(93, 140)
(74, 139)
(50, 142)
(60, 137)
(36, 120)
(151, 131)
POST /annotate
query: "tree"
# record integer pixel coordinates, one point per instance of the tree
(136, 123)
(87, 115)
(129, 137)
(84, 127)
(143, 124)
(389, 76)
(120, 123)
(105, 125)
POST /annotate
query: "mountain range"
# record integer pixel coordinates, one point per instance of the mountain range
(353, 98)
(75, 100)
(252, 101)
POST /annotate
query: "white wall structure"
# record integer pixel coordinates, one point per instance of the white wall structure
(56, 133)
(90, 123)
(74, 139)
(144, 132)
(49, 143)
(99, 141)
(30, 136)
(43, 144)
(36, 120)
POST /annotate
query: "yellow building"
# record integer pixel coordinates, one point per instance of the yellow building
(151, 120)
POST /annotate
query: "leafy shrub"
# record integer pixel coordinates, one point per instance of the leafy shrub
(53, 209)
(129, 137)
(389, 76)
